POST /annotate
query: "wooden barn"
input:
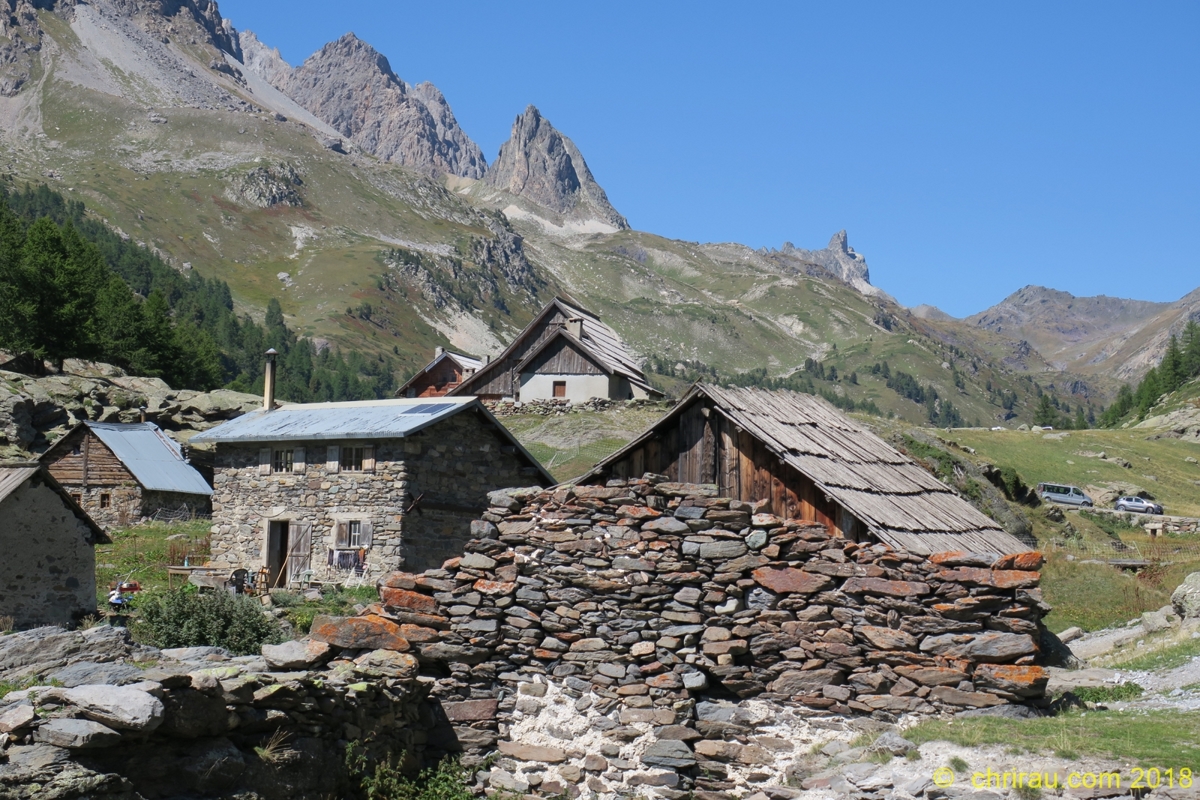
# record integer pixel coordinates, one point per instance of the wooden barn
(121, 472)
(445, 372)
(811, 462)
(565, 353)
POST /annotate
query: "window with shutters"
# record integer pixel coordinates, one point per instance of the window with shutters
(282, 461)
(355, 532)
(352, 458)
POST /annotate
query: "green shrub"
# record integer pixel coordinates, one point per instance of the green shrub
(385, 780)
(1108, 694)
(185, 618)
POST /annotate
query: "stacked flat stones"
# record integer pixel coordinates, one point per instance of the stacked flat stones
(647, 599)
(196, 721)
(551, 408)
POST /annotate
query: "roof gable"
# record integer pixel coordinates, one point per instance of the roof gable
(603, 342)
(154, 459)
(465, 363)
(563, 339)
(12, 477)
(898, 501)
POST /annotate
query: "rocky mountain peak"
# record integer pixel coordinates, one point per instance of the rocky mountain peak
(351, 86)
(840, 259)
(544, 167)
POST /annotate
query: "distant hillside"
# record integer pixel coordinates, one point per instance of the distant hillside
(357, 201)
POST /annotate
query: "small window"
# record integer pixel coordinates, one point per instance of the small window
(78, 498)
(560, 388)
(282, 461)
(352, 459)
(354, 529)
(77, 448)
(106, 501)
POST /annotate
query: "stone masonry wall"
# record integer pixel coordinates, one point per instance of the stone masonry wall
(452, 464)
(48, 565)
(116, 721)
(625, 638)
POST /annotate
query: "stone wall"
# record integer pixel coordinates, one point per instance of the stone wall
(451, 466)
(124, 504)
(550, 408)
(628, 638)
(198, 723)
(47, 559)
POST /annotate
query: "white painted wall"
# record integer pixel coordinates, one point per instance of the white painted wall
(540, 386)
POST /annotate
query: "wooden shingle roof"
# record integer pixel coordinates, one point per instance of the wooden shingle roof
(898, 501)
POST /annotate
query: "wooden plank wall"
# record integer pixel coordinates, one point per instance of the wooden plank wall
(439, 380)
(103, 468)
(498, 378)
(700, 448)
(564, 358)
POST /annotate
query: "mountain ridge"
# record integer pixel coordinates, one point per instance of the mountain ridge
(230, 176)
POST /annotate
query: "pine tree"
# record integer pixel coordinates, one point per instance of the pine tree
(1171, 373)
(1045, 413)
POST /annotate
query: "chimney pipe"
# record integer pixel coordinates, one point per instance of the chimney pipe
(437, 351)
(269, 381)
(142, 413)
(575, 327)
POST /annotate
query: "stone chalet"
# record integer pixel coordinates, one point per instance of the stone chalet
(565, 353)
(47, 550)
(444, 373)
(335, 491)
(120, 473)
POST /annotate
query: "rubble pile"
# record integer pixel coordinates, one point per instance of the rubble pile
(637, 634)
(109, 719)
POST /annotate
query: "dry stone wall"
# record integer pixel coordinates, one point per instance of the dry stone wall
(114, 720)
(638, 636)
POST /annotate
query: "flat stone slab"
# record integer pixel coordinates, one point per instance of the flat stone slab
(120, 707)
(76, 734)
(86, 673)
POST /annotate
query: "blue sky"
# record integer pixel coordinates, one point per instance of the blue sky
(968, 148)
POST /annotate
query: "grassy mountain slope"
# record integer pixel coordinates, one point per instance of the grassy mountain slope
(385, 260)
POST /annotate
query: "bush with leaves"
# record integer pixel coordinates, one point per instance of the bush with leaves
(186, 618)
(386, 780)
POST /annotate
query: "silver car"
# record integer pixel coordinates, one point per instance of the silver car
(1067, 495)
(1138, 505)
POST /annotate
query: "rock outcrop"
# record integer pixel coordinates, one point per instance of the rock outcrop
(542, 166)
(838, 258)
(351, 86)
(34, 411)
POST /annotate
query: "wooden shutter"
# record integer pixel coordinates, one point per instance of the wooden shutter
(300, 557)
(298, 460)
(264, 461)
(341, 536)
(333, 458)
(368, 463)
(366, 534)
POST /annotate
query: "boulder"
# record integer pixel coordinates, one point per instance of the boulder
(16, 717)
(85, 673)
(1186, 597)
(387, 663)
(1023, 681)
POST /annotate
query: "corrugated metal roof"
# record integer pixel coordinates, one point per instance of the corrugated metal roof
(464, 361)
(360, 419)
(898, 501)
(154, 458)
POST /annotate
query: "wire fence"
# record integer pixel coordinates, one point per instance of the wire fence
(182, 514)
